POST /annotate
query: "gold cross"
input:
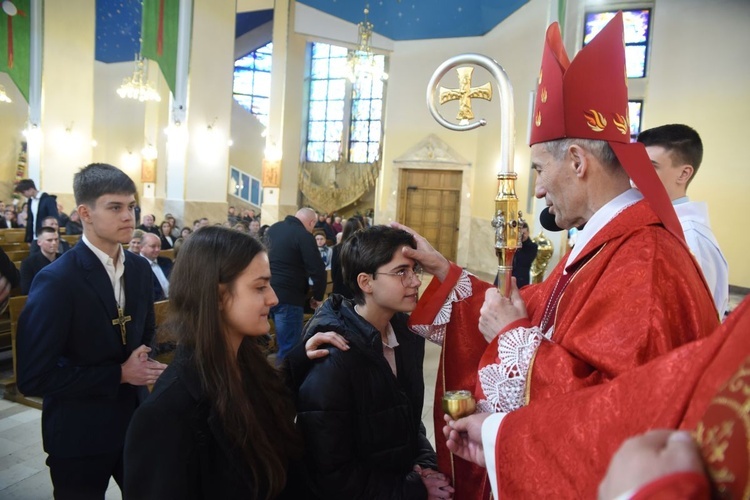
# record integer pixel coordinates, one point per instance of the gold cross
(465, 93)
(121, 320)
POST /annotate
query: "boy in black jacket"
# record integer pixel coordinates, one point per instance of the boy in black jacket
(360, 410)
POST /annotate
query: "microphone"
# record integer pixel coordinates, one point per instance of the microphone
(547, 220)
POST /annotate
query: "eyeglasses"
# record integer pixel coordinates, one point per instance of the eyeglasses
(406, 275)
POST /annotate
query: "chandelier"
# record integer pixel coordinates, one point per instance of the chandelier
(363, 67)
(3, 96)
(137, 86)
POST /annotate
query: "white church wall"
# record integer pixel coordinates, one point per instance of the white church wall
(700, 75)
(516, 44)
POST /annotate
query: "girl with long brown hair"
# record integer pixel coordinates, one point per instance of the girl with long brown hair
(220, 422)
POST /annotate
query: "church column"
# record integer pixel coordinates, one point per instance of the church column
(67, 112)
(283, 142)
(198, 149)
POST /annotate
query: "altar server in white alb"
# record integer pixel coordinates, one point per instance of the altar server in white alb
(676, 152)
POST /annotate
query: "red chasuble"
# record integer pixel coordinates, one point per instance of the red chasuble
(635, 292)
(561, 447)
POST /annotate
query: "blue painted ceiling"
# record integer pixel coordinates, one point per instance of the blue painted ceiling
(118, 22)
(423, 19)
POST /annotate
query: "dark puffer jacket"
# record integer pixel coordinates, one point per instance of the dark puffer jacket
(362, 426)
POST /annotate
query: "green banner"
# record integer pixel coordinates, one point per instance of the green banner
(15, 41)
(159, 33)
(561, 10)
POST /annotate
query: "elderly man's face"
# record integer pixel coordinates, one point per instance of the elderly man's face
(148, 220)
(557, 183)
(150, 246)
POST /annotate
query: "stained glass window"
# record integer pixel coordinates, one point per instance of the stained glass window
(337, 114)
(637, 24)
(252, 81)
(635, 109)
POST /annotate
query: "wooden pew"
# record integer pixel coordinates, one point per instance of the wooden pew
(12, 235)
(18, 254)
(71, 238)
(15, 306)
(12, 247)
(167, 253)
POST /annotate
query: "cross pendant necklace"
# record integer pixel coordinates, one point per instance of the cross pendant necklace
(121, 319)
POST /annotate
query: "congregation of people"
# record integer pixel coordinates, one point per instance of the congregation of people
(622, 351)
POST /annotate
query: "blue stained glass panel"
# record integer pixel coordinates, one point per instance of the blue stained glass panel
(337, 51)
(636, 33)
(243, 82)
(636, 25)
(316, 131)
(261, 106)
(318, 110)
(264, 57)
(332, 151)
(376, 109)
(373, 151)
(333, 130)
(635, 60)
(634, 115)
(315, 151)
(335, 110)
(320, 50)
(337, 89)
(319, 68)
(358, 152)
(262, 84)
(319, 90)
(375, 131)
(359, 131)
(365, 90)
(245, 101)
(360, 110)
(339, 68)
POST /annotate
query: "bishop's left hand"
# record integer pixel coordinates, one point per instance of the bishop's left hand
(498, 312)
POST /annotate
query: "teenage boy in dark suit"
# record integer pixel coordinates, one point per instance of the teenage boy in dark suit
(83, 339)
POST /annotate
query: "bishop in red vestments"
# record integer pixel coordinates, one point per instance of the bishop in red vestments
(627, 293)
(560, 447)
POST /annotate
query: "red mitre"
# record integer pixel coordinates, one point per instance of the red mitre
(588, 99)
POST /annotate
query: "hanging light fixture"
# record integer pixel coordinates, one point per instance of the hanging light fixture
(137, 86)
(363, 67)
(3, 96)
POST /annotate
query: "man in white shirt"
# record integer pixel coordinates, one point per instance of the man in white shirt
(677, 151)
(161, 267)
(40, 206)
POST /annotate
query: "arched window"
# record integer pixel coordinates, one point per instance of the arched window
(342, 120)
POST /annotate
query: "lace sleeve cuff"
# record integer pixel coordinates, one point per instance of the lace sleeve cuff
(503, 383)
(436, 331)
